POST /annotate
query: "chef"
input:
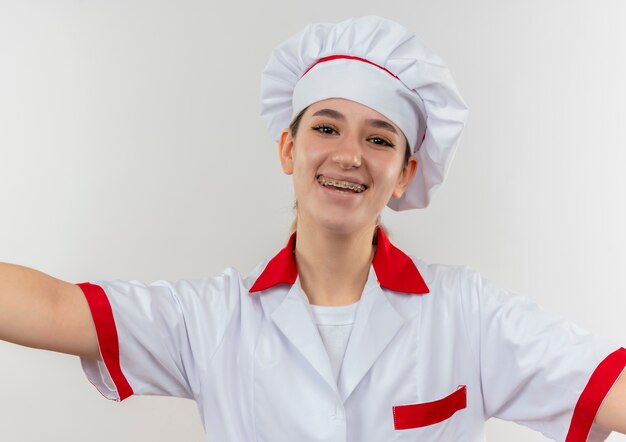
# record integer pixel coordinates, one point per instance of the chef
(342, 336)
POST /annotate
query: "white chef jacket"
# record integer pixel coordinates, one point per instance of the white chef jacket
(434, 352)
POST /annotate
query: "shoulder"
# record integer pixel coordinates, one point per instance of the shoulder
(448, 279)
(463, 289)
(462, 280)
(189, 295)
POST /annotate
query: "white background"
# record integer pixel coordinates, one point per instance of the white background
(131, 147)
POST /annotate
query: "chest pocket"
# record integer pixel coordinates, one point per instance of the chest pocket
(410, 416)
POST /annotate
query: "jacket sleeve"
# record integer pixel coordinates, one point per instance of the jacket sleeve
(155, 338)
(538, 369)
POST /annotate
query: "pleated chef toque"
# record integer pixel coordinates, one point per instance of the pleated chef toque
(378, 63)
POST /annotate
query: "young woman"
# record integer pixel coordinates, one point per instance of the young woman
(341, 335)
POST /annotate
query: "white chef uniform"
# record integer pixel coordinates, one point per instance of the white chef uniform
(433, 353)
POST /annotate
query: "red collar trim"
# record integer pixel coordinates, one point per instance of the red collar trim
(281, 269)
(394, 269)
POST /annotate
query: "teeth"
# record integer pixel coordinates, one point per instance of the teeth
(358, 188)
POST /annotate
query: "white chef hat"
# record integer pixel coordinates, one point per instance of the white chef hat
(378, 63)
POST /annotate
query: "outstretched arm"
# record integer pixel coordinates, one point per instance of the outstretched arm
(612, 412)
(39, 311)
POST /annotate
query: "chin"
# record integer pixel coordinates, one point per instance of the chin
(342, 225)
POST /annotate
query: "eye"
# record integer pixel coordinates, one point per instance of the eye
(381, 141)
(322, 128)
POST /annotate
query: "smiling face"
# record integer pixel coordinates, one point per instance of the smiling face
(347, 160)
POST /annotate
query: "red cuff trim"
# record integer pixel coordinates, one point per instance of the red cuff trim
(601, 381)
(107, 336)
(429, 413)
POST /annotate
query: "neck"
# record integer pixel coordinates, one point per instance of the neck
(333, 267)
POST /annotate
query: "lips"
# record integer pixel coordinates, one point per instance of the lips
(341, 184)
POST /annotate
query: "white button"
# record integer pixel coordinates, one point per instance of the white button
(337, 413)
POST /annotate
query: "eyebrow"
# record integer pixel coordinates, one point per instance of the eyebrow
(373, 122)
(380, 124)
(329, 113)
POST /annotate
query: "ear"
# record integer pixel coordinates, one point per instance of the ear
(406, 176)
(285, 151)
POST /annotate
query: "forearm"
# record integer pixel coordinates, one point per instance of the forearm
(27, 301)
(612, 412)
(37, 310)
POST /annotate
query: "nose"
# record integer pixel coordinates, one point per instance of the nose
(348, 154)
